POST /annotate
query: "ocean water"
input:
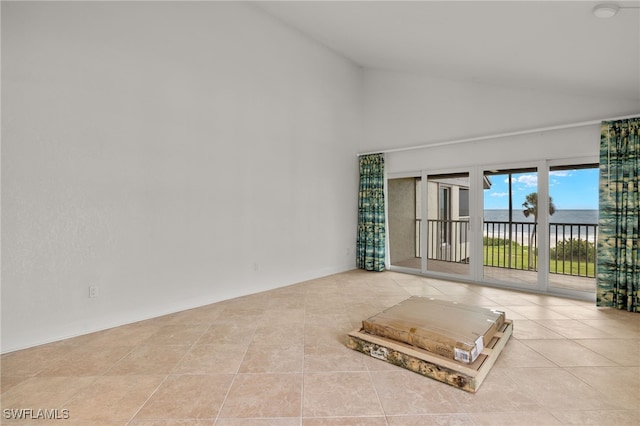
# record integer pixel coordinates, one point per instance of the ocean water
(564, 224)
(560, 216)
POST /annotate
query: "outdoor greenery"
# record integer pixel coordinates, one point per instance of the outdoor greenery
(573, 249)
(489, 241)
(583, 269)
(530, 206)
(571, 257)
(496, 253)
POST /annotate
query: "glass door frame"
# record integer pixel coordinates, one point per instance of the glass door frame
(549, 288)
(543, 286)
(542, 175)
(476, 223)
(403, 269)
(425, 212)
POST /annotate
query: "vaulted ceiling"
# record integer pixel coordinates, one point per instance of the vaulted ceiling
(557, 46)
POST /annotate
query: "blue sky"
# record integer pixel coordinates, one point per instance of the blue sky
(570, 189)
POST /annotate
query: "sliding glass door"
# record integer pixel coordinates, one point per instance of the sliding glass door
(573, 229)
(447, 236)
(429, 223)
(510, 226)
(531, 227)
(405, 220)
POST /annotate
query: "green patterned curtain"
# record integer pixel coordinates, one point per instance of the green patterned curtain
(618, 270)
(371, 218)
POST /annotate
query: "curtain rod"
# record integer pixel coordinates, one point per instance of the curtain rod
(499, 135)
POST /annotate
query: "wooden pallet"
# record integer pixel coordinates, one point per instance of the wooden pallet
(466, 377)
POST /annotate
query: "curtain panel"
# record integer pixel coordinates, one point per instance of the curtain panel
(371, 214)
(618, 265)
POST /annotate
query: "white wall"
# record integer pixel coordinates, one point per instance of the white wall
(404, 110)
(172, 154)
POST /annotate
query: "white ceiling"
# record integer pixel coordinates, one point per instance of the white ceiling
(541, 45)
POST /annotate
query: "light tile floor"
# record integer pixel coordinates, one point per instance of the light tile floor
(278, 358)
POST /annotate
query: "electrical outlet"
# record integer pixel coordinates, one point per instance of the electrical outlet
(93, 291)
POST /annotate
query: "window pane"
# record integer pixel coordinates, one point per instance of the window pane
(573, 227)
(447, 230)
(510, 228)
(464, 202)
(404, 222)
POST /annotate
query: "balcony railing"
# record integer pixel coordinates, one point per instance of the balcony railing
(511, 247)
(573, 249)
(514, 245)
(448, 240)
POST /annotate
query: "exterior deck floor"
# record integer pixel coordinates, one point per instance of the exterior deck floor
(515, 276)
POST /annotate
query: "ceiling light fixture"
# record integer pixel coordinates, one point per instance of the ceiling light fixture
(605, 10)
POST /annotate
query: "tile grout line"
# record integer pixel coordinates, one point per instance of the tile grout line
(375, 388)
(102, 374)
(334, 303)
(148, 398)
(166, 375)
(304, 354)
(235, 375)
